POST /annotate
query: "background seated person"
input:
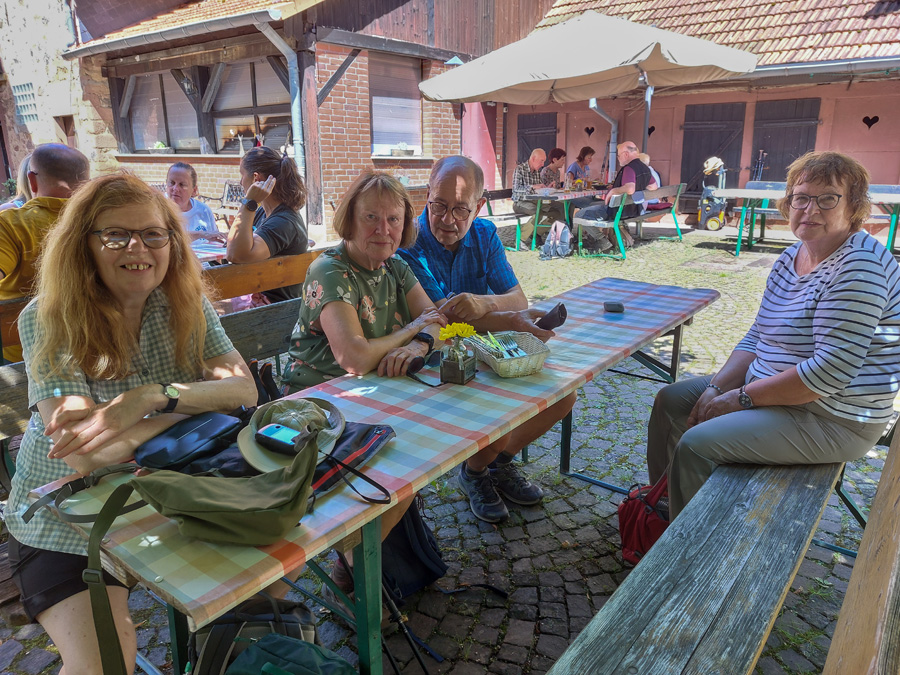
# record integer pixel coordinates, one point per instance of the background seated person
(580, 169)
(181, 188)
(653, 204)
(527, 179)
(269, 222)
(362, 308)
(633, 176)
(459, 254)
(23, 189)
(550, 173)
(814, 379)
(120, 315)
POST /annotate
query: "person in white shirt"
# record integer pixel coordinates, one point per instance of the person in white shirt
(181, 188)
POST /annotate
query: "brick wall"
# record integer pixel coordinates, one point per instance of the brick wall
(345, 130)
(212, 170)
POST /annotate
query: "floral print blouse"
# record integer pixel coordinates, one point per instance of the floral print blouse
(379, 297)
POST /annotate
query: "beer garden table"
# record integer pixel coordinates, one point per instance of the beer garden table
(437, 428)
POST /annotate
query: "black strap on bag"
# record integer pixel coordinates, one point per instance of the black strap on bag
(60, 495)
(386, 499)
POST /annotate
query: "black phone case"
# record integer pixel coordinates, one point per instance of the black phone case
(555, 318)
(274, 444)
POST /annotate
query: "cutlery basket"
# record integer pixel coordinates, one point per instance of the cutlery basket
(517, 366)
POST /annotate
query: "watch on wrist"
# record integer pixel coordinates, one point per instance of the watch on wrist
(250, 205)
(427, 339)
(744, 399)
(172, 394)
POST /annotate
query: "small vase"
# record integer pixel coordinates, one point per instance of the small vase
(458, 364)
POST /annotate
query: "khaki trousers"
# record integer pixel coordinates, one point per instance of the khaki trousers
(801, 434)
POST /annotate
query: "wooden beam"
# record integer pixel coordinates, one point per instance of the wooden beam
(216, 73)
(125, 103)
(206, 124)
(867, 636)
(375, 43)
(336, 77)
(121, 125)
(274, 109)
(188, 86)
(277, 63)
(309, 116)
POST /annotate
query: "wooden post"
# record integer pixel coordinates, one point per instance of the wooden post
(310, 120)
(122, 125)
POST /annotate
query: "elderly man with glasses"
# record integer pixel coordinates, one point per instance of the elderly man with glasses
(461, 264)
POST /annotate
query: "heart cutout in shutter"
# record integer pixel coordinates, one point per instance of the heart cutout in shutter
(869, 121)
(589, 131)
(650, 130)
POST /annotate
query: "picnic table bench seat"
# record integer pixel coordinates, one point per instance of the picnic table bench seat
(667, 192)
(705, 597)
(505, 218)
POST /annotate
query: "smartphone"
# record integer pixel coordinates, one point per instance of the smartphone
(277, 438)
(613, 306)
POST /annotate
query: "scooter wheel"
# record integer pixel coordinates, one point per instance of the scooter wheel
(715, 223)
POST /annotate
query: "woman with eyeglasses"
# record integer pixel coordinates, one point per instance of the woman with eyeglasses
(120, 343)
(814, 379)
(363, 308)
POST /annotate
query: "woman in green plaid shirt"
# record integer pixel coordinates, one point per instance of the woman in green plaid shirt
(120, 343)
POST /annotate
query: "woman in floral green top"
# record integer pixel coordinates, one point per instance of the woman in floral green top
(363, 308)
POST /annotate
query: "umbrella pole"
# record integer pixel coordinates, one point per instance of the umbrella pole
(648, 96)
(613, 137)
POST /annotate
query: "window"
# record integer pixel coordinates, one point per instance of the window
(161, 113)
(396, 106)
(251, 100)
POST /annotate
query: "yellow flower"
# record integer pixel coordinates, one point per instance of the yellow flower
(452, 330)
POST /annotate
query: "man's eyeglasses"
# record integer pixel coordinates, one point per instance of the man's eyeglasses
(825, 202)
(117, 237)
(440, 210)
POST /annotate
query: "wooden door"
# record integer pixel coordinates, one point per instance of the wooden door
(784, 130)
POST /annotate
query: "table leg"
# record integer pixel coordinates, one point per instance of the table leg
(737, 251)
(178, 635)
(892, 231)
(367, 582)
(537, 219)
(566, 211)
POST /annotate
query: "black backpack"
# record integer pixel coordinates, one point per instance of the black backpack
(215, 646)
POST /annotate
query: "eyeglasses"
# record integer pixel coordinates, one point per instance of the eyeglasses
(458, 212)
(825, 202)
(117, 237)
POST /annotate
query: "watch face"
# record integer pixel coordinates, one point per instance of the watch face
(745, 400)
(172, 392)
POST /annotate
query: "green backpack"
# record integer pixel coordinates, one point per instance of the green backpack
(282, 655)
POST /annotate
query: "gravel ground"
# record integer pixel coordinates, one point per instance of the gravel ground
(560, 561)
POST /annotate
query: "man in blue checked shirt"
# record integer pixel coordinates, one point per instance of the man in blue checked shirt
(461, 264)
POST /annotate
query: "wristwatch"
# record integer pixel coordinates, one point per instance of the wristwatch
(172, 394)
(744, 399)
(427, 339)
(250, 205)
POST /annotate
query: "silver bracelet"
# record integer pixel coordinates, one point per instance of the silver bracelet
(715, 387)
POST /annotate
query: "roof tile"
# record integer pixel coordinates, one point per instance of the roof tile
(777, 32)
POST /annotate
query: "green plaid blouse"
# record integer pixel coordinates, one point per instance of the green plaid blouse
(154, 362)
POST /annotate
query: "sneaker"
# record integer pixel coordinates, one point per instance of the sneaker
(483, 498)
(514, 486)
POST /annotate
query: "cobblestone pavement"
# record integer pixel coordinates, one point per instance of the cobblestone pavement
(560, 562)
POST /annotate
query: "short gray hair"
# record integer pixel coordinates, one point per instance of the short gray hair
(458, 164)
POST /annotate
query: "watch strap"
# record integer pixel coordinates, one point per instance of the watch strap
(250, 204)
(427, 338)
(173, 400)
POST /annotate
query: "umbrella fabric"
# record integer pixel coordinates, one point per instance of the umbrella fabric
(535, 70)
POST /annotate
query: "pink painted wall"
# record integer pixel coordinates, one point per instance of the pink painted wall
(841, 127)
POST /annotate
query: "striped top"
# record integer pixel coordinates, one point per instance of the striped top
(839, 326)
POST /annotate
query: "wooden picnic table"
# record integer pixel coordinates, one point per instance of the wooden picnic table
(564, 196)
(204, 580)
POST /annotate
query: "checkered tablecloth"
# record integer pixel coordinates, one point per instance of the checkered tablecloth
(208, 251)
(437, 428)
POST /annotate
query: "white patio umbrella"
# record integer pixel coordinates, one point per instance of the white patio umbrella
(540, 68)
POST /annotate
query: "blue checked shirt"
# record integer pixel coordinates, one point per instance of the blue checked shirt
(153, 363)
(478, 266)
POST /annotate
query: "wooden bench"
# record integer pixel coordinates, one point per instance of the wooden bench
(14, 416)
(867, 636)
(501, 219)
(227, 281)
(705, 597)
(262, 332)
(670, 192)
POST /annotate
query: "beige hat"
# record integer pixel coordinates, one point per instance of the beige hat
(318, 420)
(712, 164)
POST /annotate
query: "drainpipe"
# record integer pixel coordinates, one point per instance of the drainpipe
(294, 73)
(613, 137)
(648, 96)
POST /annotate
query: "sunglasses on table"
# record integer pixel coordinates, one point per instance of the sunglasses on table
(118, 237)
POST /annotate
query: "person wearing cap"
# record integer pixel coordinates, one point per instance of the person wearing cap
(461, 264)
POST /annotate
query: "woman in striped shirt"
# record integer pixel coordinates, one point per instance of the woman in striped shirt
(814, 379)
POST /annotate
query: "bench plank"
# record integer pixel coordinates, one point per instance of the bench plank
(231, 281)
(867, 636)
(709, 590)
(261, 332)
